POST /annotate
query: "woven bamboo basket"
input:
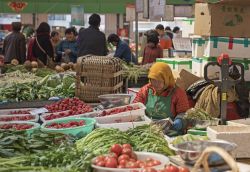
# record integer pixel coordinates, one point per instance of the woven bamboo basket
(97, 75)
(203, 160)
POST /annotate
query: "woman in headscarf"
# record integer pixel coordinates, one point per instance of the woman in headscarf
(162, 98)
(42, 48)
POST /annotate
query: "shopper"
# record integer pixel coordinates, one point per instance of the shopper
(163, 99)
(122, 49)
(177, 32)
(165, 40)
(55, 40)
(152, 49)
(169, 32)
(92, 40)
(67, 49)
(14, 46)
(42, 48)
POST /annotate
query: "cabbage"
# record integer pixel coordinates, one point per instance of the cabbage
(53, 81)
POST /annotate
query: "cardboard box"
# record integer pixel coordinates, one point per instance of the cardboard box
(186, 79)
(177, 64)
(224, 18)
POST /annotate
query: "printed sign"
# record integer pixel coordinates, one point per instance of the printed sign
(77, 15)
(17, 6)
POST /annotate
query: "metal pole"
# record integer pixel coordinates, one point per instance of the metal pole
(136, 35)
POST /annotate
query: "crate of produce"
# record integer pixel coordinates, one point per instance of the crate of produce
(15, 111)
(239, 122)
(98, 75)
(136, 109)
(29, 127)
(126, 123)
(240, 135)
(78, 127)
(19, 117)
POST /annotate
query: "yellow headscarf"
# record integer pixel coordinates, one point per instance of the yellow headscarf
(161, 71)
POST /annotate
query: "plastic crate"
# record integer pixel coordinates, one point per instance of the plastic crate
(35, 119)
(8, 111)
(42, 117)
(35, 127)
(105, 119)
(239, 122)
(240, 135)
(79, 132)
(124, 126)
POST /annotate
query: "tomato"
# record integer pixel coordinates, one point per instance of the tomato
(101, 163)
(131, 165)
(133, 156)
(123, 157)
(150, 164)
(183, 169)
(156, 162)
(121, 166)
(149, 170)
(123, 162)
(127, 151)
(132, 160)
(99, 158)
(171, 168)
(117, 149)
(127, 146)
(111, 162)
(113, 155)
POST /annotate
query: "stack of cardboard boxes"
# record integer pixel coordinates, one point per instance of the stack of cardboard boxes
(221, 27)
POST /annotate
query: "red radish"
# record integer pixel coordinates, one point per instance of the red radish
(70, 124)
(16, 126)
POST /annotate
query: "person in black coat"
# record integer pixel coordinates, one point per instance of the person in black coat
(42, 48)
(92, 40)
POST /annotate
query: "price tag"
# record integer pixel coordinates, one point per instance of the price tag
(38, 111)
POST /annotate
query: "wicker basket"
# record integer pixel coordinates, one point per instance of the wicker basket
(97, 75)
(203, 160)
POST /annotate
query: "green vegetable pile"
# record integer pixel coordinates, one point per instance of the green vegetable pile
(16, 143)
(133, 72)
(149, 138)
(40, 153)
(197, 114)
(100, 140)
(187, 138)
(143, 138)
(26, 86)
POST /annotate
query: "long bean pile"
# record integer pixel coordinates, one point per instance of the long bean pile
(149, 138)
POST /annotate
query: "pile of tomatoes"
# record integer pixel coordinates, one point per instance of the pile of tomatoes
(15, 126)
(122, 156)
(74, 104)
(70, 124)
(17, 118)
(118, 110)
(168, 168)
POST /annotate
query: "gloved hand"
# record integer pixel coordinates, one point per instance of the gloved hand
(177, 124)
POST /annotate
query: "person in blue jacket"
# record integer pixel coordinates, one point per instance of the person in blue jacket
(122, 51)
(67, 49)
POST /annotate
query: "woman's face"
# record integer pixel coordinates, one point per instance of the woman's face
(157, 84)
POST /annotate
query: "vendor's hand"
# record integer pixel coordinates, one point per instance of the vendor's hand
(177, 124)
